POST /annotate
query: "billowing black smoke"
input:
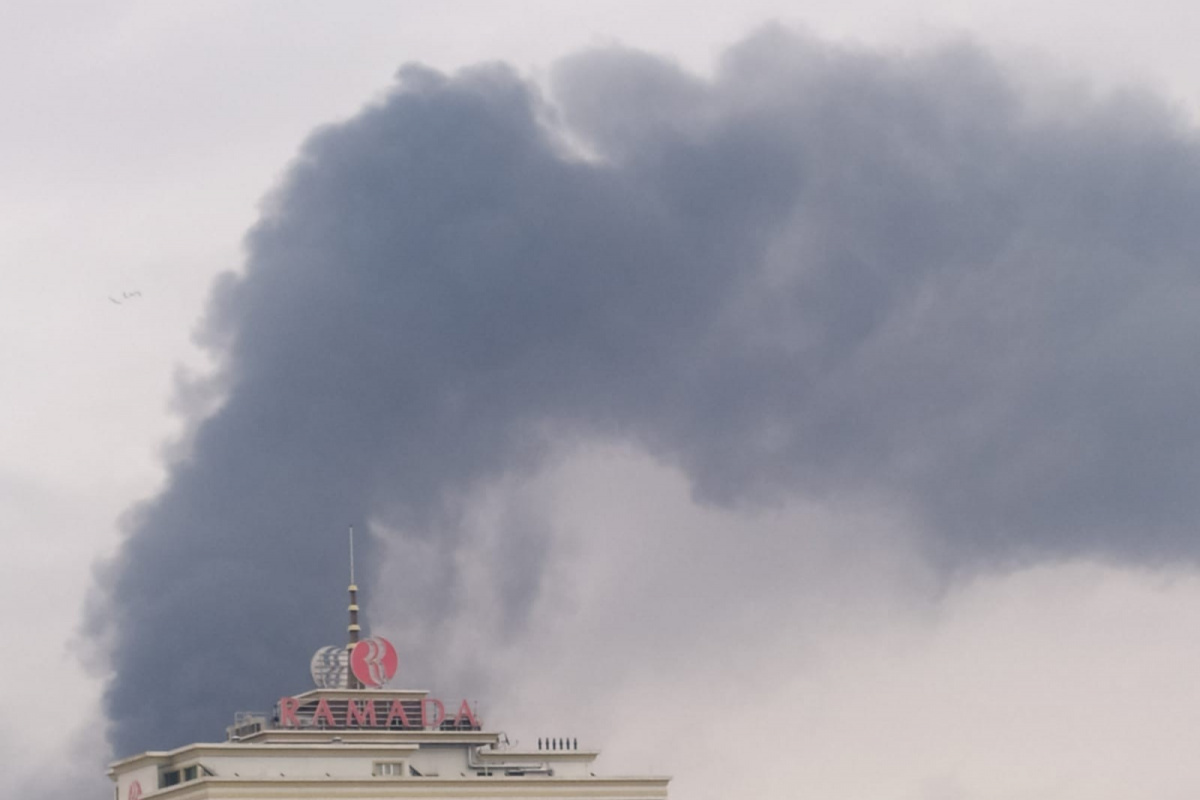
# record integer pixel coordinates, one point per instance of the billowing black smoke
(823, 272)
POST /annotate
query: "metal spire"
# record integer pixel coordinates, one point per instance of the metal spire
(353, 629)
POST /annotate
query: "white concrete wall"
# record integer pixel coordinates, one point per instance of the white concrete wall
(147, 776)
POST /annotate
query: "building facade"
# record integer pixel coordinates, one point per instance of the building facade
(297, 753)
(352, 737)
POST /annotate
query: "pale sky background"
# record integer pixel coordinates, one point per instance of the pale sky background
(138, 142)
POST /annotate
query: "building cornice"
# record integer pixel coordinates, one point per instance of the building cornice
(283, 749)
(481, 788)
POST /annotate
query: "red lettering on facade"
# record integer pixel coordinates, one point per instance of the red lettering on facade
(365, 716)
(441, 712)
(323, 712)
(397, 712)
(287, 712)
(465, 711)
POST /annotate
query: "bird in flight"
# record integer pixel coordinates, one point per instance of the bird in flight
(124, 296)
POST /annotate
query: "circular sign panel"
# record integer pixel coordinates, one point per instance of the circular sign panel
(135, 791)
(330, 668)
(373, 661)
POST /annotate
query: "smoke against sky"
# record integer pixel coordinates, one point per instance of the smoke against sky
(827, 274)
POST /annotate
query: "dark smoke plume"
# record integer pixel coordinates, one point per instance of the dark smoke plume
(822, 272)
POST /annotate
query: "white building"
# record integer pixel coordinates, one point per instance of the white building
(352, 738)
(270, 758)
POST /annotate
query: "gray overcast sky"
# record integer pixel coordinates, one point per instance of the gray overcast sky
(141, 138)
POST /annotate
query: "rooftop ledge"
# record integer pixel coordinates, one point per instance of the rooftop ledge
(612, 786)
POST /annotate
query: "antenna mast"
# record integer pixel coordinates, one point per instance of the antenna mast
(352, 629)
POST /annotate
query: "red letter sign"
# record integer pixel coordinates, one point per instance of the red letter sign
(441, 712)
(323, 712)
(364, 716)
(397, 712)
(465, 711)
(287, 712)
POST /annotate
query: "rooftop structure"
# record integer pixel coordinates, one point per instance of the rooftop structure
(352, 737)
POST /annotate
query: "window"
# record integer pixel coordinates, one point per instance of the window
(390, 769)
(176, 776)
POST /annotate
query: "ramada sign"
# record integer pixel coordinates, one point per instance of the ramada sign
(374, 714)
